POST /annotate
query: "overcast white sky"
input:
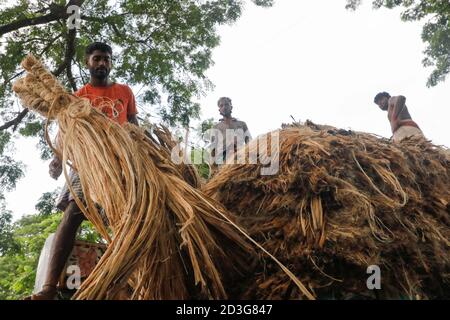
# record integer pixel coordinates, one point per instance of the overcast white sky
(309, 59)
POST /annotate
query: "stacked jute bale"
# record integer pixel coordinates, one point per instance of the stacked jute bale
(343, 201)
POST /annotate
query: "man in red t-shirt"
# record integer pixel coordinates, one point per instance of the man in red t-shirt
(117, 102)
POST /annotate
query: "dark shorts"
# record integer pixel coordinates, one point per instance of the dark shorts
(66, 196)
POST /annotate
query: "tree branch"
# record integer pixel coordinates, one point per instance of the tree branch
(56, 12)
(114, 27)
(15, 122)
(49, 45)
(69, 74)
(104, 20)
(83, 73)
(65, 65)
(52, 16)
(70, 52)
(12, 78)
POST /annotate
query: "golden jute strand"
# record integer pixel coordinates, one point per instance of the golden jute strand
(130, 252)
(38, 88)
(29, 98)
(117, 186)
(35, 66)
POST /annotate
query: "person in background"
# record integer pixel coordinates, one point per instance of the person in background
(402, 125)
(229, 123)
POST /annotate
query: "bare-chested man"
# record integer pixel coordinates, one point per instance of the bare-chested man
(402, 125)
(229, 123)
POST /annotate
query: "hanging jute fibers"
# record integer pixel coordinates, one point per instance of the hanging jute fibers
(341, 202)
(166, 239)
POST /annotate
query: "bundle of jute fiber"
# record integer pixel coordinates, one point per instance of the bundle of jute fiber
(161, 229)
(166, 239)
(342, 205)
(161, 136)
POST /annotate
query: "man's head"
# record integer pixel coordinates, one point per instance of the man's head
(98, 59)
(382, 100)
(225, 106)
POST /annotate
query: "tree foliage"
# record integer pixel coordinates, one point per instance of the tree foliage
(161, 47)
(46, 203)
(10, 170)
(7, 242)
(165, 46)
(435, 33)
(18, 266)
(21, 243)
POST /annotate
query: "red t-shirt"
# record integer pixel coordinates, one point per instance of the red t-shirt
(115, 101)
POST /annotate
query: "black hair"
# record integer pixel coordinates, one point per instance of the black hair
(381, 95)
(224, 98)
(103, 47)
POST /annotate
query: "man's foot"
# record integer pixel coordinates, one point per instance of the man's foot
(47, 293)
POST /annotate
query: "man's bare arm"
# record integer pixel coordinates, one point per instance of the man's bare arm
(133, 119)
(397, 104)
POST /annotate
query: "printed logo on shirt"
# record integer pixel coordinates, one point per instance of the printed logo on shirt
(112, 108)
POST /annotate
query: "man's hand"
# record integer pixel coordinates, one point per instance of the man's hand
(55, 168)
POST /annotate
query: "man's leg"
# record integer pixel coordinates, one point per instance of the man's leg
(62, 247)
(405, 132)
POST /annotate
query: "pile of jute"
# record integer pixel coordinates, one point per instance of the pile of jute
(345, 208)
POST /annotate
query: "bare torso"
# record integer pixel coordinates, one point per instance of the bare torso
(397, 109)
(398, 113)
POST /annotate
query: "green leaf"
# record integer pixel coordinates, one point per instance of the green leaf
(435, 33)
